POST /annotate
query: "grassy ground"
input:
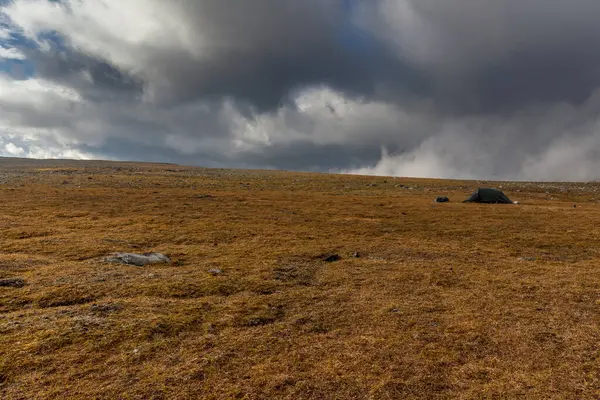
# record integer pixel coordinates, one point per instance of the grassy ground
(437, 302)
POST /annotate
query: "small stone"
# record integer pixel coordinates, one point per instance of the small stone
(215, 271)
(442, 199)
(12, 282)
(331, 258)
(527, 258)
(105, 308)
(356, 254)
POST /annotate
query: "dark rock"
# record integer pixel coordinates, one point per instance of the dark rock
(356, 254)
(138, 260)
(260, 321)
(442, 199)
(12, 282)
(331, 257)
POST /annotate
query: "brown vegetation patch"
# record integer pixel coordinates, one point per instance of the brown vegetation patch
(65, 296)
(293, 286)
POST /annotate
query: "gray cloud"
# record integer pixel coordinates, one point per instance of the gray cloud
(94, 78)
(495, 56)
(461, 88)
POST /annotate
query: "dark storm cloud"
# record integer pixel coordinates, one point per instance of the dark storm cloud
(479, 56)
(221, 83)
(524, 78)
(262, 50)
(496, 56)
(95, 79)
(317, 157)
(255, 52)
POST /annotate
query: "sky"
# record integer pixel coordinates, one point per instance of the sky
(475, 89)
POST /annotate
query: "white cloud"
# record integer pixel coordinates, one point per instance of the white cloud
(11, 53)
(5, 33)
(13, 150)
(484, 147)
(36, 146)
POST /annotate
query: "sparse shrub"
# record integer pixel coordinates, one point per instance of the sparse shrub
(65, 297)
(300, 274)
(261, 316)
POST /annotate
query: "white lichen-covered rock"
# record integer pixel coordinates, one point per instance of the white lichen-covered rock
(138, 259)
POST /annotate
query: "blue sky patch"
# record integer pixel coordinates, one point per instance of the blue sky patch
(23, 69)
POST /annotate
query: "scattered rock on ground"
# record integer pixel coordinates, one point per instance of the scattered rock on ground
(215, 271)
(331, 257)
(356, 254)
(12, 282)
(105, 308)
(442, 199)
(138, 260)
(527, 258)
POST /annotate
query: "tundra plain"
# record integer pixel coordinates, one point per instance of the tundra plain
(425, 301)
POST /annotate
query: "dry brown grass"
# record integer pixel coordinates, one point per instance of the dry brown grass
(437, 305)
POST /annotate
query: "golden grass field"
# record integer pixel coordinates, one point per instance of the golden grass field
(438, 304)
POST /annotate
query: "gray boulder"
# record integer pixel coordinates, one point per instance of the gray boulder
(138, 260)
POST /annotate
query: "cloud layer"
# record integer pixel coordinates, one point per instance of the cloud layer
(462, 88)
